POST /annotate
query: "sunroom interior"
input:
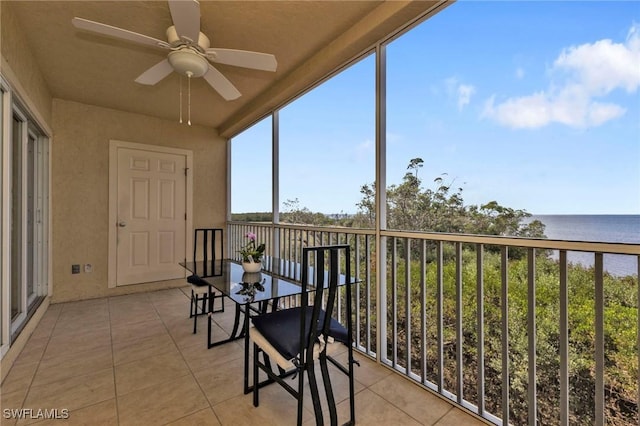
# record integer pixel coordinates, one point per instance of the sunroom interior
(448, 323)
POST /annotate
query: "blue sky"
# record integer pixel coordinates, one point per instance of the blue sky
(533, 104)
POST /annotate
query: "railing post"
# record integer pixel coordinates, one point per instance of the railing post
(407, 302)
(394, 303)
(480, 324)
(638, 331)
(564, 341)
(423, 311)
(381, 288)
(531, 333)
(440, 309)
(368, 292)
(506, 383)
(459, 335)
(599, 343)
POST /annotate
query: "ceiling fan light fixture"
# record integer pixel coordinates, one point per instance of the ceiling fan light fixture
(186, 61)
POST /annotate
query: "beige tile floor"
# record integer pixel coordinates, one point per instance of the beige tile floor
(133, 360)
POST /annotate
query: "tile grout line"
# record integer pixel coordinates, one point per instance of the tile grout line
(24, 400)
(187, 365)
(113, 363)
(402, 410)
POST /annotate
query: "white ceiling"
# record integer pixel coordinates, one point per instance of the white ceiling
(308, 38)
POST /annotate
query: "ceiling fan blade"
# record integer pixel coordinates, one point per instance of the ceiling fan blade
(155, 73)
(243, 58)
(186, 18)
(220, 83)
(116, 32)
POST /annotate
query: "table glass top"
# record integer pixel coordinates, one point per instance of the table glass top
(228, 277)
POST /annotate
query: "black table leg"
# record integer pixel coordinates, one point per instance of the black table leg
(237, 333)
(245, 328)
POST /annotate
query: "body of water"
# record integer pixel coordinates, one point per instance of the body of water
(598, 228)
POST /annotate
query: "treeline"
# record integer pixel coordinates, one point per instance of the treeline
(411, 207)
(442, 209)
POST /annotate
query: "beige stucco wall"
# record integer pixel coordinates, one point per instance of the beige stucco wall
(20, 68)
(80, 188)
(80, 137)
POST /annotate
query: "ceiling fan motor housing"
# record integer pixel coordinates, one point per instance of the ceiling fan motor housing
(173, 39)
(187, 62)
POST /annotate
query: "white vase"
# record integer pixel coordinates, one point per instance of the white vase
(252, 266)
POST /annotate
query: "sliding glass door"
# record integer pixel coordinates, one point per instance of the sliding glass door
(25, 189)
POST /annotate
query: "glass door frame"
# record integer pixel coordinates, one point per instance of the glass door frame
(5, 160)
(24, 249)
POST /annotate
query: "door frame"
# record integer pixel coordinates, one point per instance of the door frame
(114, 146)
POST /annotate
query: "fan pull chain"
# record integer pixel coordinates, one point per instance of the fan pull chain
(180, 99)
(189, 74)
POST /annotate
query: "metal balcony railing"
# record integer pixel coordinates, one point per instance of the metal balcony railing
(491, 323)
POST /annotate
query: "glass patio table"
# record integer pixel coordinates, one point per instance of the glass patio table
(251, 292)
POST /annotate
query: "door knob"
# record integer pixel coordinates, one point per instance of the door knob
(122, 224)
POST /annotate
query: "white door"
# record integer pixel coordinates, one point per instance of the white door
(151, 215)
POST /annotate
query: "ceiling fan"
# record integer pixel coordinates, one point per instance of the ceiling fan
(189, 51)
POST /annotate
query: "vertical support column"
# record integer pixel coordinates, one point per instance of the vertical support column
(381, 196)
(230, 245)
(275, 182)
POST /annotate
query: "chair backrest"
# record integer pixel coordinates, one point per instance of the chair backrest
(324, 270)
(208, 246)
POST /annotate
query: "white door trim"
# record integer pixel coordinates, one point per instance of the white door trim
(114, 145)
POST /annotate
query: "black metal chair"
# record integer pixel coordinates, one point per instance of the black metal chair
(209, 246)
(296, 337)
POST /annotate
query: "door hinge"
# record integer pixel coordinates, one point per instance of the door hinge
(186, 169)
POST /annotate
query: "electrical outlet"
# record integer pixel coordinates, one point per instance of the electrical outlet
(88, 268)
(75, 269)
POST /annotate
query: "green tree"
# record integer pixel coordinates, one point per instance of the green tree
(296, 214)
(442, 209)
(366, 216)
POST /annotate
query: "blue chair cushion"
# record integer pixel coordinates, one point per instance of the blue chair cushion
(282, 329)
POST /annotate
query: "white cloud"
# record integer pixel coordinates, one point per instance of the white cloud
(460, 92)
(528, 111)
(599, 113)
(539, 110)
(580, 74)
(519, 73)
(465, 91)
